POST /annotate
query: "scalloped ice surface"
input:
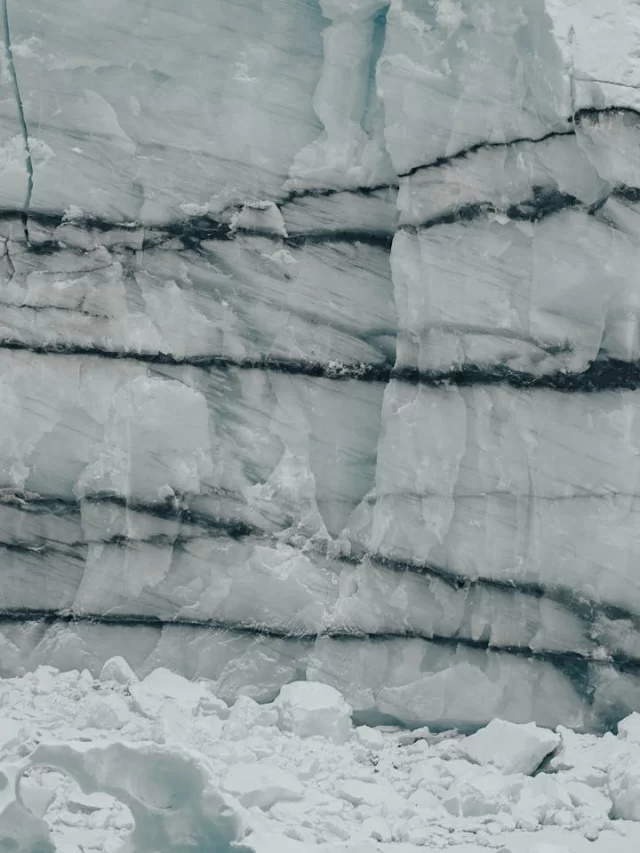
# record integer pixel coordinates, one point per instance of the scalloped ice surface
(320, 350)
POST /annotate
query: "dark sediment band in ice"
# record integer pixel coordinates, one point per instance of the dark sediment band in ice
(580, 116)
(49, 617)
(484, 146)
(543, 203)
(192, 525)
(602, 375)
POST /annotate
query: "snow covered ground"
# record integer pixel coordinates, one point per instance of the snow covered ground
(165, 765)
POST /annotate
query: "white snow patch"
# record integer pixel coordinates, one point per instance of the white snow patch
(164, 764)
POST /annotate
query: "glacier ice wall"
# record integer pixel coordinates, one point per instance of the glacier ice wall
(320, 349)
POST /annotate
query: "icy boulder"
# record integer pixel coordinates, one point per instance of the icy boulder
(262, 785)
(20, 830)
(629, 729)
(310, 708)
(511, 747)
(624, 786)
(171, 793)
(118, 670)
(245, 714)
(103, 712)
(486, 793)
(164, 683)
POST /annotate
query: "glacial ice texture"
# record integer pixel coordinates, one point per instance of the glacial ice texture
(320, 349)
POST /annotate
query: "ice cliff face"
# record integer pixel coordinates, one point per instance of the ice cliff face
(320, 349)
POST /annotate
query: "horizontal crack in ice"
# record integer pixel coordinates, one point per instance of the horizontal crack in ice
(601, 375)
(21, 117)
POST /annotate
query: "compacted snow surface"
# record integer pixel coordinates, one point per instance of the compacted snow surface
(164, 765)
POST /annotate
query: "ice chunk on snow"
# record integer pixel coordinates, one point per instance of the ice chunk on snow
(584, 758)
(37, 798)
(262, 785)
(511, 747)
(246, 713)
(118, 670)
(542, 800)
(309, 708)
(486, 793)
(375, 799)
(593, 803)
(10, 733)
(103, 712)
(624, 786)
(162, 685)
(169, 792)
(369, 738)
(426, 801)
(360, 793)
(163, 682)
(629, 728)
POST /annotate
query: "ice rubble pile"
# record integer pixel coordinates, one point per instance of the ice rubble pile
(165, 764)
(319, 349)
